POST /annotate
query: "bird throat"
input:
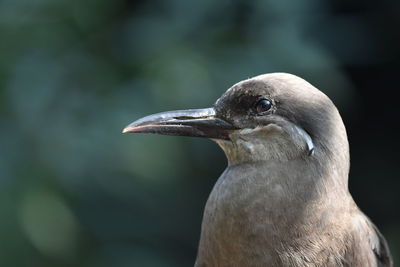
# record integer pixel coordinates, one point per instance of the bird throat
(271, 142)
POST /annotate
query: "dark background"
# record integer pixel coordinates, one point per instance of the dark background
(74, 191)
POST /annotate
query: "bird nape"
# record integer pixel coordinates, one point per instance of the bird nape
(283, 199)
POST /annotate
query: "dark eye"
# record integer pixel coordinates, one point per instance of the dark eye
(263, 105)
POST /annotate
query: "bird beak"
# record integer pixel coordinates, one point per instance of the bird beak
(191, 122)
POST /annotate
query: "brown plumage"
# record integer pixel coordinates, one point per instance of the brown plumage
(283, 199)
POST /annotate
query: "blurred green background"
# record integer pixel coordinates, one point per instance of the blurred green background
(74, 191)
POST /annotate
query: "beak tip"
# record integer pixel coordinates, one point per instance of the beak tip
(126, 130)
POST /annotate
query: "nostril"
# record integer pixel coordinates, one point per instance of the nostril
(184, 118)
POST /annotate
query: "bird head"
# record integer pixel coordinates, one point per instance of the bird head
(275, 116)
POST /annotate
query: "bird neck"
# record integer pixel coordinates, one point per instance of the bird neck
(257, 208)
(276, 187)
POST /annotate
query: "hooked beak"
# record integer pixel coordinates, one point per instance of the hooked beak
(191, 122)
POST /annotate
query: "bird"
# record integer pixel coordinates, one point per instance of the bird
(283, 199)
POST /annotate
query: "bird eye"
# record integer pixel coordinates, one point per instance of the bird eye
(263, 105)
